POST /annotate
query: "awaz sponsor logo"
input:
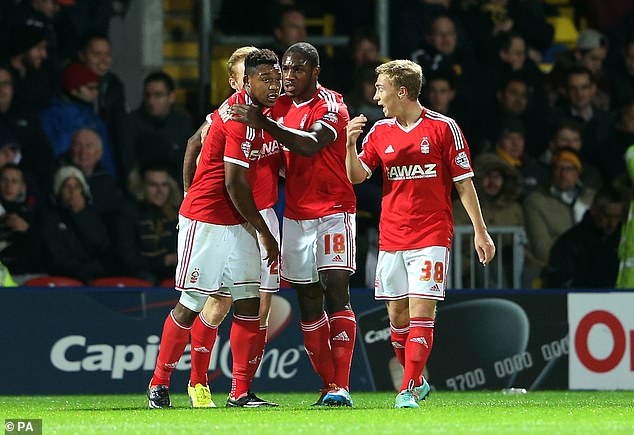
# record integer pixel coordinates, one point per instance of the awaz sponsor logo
(74, 354)
(411, 172)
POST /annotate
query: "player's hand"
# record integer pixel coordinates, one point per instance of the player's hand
(484, 247)
(268, 242)
(354, 129)
(248, 114)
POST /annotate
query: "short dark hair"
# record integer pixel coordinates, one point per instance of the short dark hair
(285, 10)
(578, 70)
(87, 40)
(442, 74)
(259, 57)
(160, 76)
(306, 51)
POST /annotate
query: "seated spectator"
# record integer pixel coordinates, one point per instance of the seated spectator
(511, 148)
(586, 256)
(553, 209)
(568, 135)
(96, 53)
(289, 29)
(158, 131)
(361, 98)
(597, 125)
(25, 54)
(75, 110)
(75, 237)
(147, 247)
(37, 156)
(410, 22)
(85, 153)
(498, 186)
(20, 247)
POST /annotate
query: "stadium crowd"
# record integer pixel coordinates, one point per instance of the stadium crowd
(90, 188)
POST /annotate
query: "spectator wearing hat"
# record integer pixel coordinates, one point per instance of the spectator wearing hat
(511, 148)
(554, 208)
(24, 52)
(75, 237)
(37, 156)
(20, 248)
(568, 135)
(74, 110)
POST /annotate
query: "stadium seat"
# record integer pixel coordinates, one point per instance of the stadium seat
(168, 283)
(53, 281)
(120, 281)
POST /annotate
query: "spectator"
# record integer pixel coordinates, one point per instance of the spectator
(96, 52)
(85, 153)
(553, 209)
(19, 235)
(511, 149)
(613, 158)
(289, 29)
(25, 55)
(597, 125)
(586, 256)
(411, 21)
(148, 237)
(498, 186)
(37, 156)
(75, 110)
(76, 240)
(158, 130)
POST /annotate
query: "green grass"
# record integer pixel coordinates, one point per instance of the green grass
(443, 412)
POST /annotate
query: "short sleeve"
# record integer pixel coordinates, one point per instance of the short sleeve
(369, 157)
(239, 141)
(459, 157)
(333, 116)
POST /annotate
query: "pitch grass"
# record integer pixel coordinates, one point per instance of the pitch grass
(443, 412)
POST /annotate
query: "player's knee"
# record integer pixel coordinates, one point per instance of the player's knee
(247, 307)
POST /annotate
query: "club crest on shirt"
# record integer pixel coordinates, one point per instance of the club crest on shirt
(424, 145)
(301, 124)
(462, 160)
(331, 117)
(246, 148)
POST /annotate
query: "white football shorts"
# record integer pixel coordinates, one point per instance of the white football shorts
(416, 273)
(270, 275)
(219, 260)
(312, 245)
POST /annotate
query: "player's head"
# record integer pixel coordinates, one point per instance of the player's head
(300, 68)
(397, 82)
(235, 67)
(263, 77)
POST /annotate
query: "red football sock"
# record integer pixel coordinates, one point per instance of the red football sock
(203, 339)
(317, 344)
(260, 343)
(245, 352)
(343, 330)
(173, 341)
(417, 349)
(399, 339)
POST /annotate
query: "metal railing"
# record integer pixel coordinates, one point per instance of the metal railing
(492, 276)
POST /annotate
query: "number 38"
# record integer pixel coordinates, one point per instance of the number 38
(438, 271)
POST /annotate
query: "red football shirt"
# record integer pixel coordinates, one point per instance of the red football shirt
(230, 141)
(267, 174)
(317, 186)
(420, 165)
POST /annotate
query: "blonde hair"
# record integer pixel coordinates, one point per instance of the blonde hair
(237, 57)
(403, 73)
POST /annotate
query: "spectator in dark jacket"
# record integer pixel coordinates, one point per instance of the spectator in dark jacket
(75, 237)
(586, 256)
(147, 238)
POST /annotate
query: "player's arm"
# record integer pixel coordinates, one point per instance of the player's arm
(355, 170)
(194, 145)
(482, 240)
(305, 143)
(239, 190)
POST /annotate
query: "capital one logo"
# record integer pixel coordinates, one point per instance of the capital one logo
(619, 337)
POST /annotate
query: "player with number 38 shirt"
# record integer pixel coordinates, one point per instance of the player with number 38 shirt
(423, 154)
